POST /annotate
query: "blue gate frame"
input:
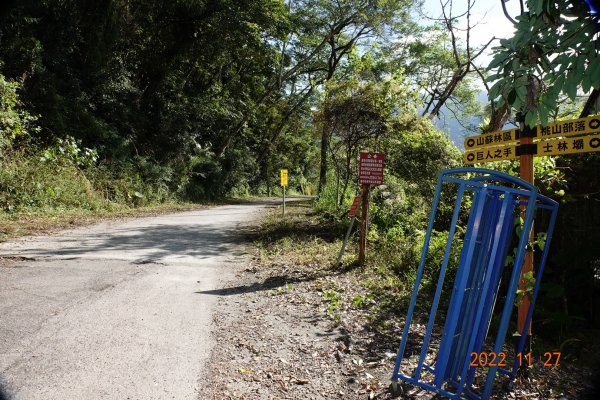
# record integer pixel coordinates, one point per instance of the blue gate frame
(496, 200)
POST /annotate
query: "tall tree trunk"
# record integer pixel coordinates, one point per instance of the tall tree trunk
(591, 104)
(325, 137)
(347, 177)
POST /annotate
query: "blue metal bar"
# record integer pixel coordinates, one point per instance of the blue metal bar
(475, 288)
(494, 175)
(473, 184)
(492, 269)
(420, 269)
(458, 292)
(512, 289)
(429, 387)
(440, 283)
(491, 295)
(473, 298)
(538, 280)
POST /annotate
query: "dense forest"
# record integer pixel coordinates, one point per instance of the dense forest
(119, 103)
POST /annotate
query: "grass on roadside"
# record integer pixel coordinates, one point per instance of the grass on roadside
(46, 221)
(307, 244)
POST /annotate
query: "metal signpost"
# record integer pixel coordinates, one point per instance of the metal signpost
(354, 207)
(562, 137)
(370, 172)
(284, 183)
(351, 213)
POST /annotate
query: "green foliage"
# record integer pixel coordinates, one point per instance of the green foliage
(528, 281)
(417, 152)
(70, 151)
(363, 300)
(430, 65)
(33, 181)
(553, 51)
(327, 203)
(15, 121)
(334, 303)
(27, 183)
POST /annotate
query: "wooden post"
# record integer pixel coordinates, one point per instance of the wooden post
(526, 173)
(362, 249)
(343, 249)
(284, 200)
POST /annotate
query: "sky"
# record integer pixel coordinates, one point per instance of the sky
(487, 14)
(491, 22)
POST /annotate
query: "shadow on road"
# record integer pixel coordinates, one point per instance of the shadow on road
(3, 394)
(272, 282)
(146, 244)
(198, 234)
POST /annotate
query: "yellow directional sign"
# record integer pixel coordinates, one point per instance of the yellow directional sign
(284, 177)
(489, 154)
(573, 127)
(585, 144)
(491, 139)
(554, 147)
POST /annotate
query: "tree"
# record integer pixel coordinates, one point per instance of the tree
(554, 51)
(324, 33)
(357, 113)
(554, 55)
(15, 121)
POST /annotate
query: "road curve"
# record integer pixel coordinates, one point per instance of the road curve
(112, 311)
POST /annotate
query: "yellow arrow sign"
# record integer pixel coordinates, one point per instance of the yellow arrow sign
(555, 147)
(284, 177)
(491, 139)
(490, 154)
(573, 127)
(585, 144)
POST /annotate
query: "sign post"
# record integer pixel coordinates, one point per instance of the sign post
(370, 172)
(351, 213)
(525, 173)
(284, 183)
(556, 138)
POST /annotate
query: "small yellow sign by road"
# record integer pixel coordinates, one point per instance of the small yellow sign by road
(489, 154)
(284, 177)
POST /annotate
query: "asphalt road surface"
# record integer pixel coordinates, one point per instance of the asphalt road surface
(112, 311)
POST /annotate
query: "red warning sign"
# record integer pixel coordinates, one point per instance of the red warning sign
(354, 207)
(370, 168)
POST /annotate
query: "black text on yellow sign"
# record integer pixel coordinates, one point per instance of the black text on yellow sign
(554, 147)
(284, 177)
(573, 127)
(489, 154)
(492, 139)
(585, 144)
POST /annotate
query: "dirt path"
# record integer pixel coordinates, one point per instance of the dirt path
(293, 326)
(117, 310)
(280, 338)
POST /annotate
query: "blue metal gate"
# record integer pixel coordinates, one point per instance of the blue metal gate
(491, 202)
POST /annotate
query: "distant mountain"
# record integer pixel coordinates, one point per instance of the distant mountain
(447, 123)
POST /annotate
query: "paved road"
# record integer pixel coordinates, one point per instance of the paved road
(112, 311)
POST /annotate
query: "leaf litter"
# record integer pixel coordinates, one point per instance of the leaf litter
(288, 329)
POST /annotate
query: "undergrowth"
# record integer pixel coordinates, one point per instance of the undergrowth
(310, 241)
(62, 186)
